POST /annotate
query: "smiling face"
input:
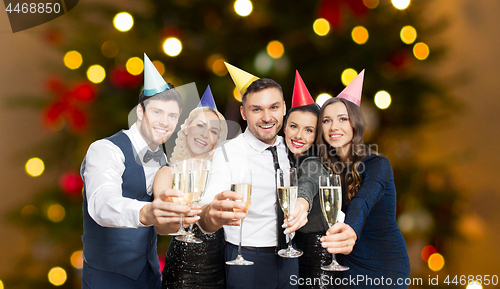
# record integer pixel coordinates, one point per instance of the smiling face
(264, 111)
(337, 130)
(202, 133)
(300, 131)
(158, 122)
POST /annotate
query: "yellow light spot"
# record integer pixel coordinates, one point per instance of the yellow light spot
(172, 46)
(382, 99)
(321, 26)
(408, 34)
(159, 66)
(1, 284)
(322, 98)
(77, 259)
(73, 59)
(134, 65)
(28, 211)
(348, 75)
(359, 35)
(109, 49)
(372, 4)
(96, 73)
(421, 51)
(275, 49)
(34, 167)
(400, 4)
(123, 21)
(56, 213)
(236, 94)
(216, 63)
(243, 7)
(474, 285)
(436, 262)
(57, 276)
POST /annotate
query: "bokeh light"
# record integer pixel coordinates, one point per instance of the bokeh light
(436, 262)
(216, 63)
(73, 59)
(109, 49)
(77, 259)
(243, 7)
(382, 99)
(236, 94)
(322, 98)
(34, 167)
(401, 4)
(263, 62)
(359, 35)
(408, 34)
(134, 65)
(275, 49)
(372, 4)
(56, 213)
(159, 66)
(28, 211)
(57, 276)
(123, 21)
(96, 73)
(1, 284)
(427, 251)
(421, 51)
(321, 26)
(172, 46)
(348, 75)
(474, 285)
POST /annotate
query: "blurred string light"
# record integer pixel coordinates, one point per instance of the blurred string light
(408, 34)
(401, 4)
(436, 262)
(34, 167)
(474, 285)
(57, 276)
(216, 63)
(348, 75)
(372, 4)
(158, 65)
(382, 99)
(275, 49)
(76, 259)
(421, 51)
(236, 94)
(321, 26)
(134, 65)
(96, 73)
(427, 251)
(359, 35)
(73, 59)
(123, 21)
(243, 7)
(263, 62)
(109, 49)
(172, 46)
(56, 213)
(322, 98)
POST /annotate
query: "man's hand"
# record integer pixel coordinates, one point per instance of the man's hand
(220, 211)
(298, 218)
(340, 238)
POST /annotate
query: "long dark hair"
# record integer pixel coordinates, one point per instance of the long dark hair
(357, 149)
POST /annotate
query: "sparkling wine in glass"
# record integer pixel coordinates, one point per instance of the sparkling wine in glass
(287, 187)
(181, 182)
(241, 182)
(330, 196)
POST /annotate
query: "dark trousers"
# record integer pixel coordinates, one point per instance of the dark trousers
(97, 279)
(268, 271)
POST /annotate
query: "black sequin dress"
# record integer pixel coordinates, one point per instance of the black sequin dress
(190, 265)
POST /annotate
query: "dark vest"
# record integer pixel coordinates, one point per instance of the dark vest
(124, 251)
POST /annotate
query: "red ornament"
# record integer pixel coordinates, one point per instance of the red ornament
(72, 185)
(84, 92)
(52, 114)
(77, 119)
(122, 79)
(332, 10)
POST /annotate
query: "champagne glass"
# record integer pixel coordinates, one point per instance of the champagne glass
(197, 180)
(241, 182)
(287, 187)
(180, 182)
(330, 196)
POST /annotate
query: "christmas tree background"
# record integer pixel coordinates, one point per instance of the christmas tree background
(75, 107)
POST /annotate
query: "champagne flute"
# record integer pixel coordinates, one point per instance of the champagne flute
(287, 187)
(197, 180)
(180, 182)
(330, 196)
(241, 182)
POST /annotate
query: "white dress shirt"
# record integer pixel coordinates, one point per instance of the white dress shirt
(102, 174)
(259, 226)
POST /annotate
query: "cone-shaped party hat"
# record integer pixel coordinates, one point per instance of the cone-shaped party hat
(301, 95)
(241, 78)
(153, 82)
(353, 91)
(207, 100)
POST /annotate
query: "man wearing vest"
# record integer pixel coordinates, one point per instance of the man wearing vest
(119, 214)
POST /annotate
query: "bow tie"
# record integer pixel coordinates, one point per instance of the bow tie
(149, 155)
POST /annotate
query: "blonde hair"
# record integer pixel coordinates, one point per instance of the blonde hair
(180, 149)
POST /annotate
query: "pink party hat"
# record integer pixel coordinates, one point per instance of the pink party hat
(353, 91)
(301, 95)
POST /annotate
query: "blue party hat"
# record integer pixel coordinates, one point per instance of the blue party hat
(207, 99)
(153, 81)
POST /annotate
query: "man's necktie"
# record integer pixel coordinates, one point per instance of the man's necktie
(279, 212)
(149, 155)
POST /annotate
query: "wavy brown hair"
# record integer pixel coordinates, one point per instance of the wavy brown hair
(357, 148)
